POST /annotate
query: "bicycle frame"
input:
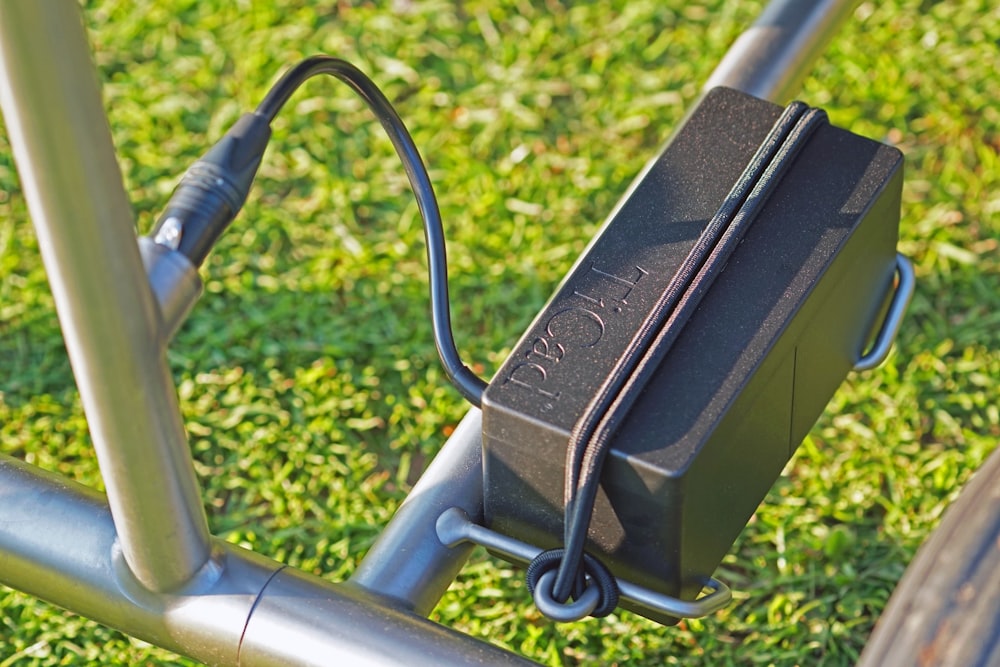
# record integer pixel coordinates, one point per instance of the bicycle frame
(142, 559)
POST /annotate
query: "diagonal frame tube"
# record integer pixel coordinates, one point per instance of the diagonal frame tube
(62, 145)
(408, 563)
(771, 58)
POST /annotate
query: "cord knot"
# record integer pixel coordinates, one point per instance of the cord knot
(595, 591)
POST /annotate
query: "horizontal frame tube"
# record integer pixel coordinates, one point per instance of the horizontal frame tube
(57, 542)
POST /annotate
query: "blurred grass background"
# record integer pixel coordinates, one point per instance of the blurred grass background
(308, 378)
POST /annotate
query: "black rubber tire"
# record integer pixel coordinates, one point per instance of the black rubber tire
(946, 609)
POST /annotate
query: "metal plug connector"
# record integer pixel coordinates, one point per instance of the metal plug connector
(213, 190)
(209, 196)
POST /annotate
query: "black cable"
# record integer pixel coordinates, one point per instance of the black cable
(470, 385)
(212, 191)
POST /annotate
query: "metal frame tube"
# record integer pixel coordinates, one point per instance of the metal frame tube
(62, 145)
(771, 58)
(58, 543)
(408, 562)
(297, 622)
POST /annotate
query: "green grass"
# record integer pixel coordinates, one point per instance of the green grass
(308, 380)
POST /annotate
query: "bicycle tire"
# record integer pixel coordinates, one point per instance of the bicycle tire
(945, 610)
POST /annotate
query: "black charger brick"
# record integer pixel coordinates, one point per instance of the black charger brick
(751, 372)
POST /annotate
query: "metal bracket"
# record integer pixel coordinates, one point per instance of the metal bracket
(454, 527)
(173, 279)
(905, 283)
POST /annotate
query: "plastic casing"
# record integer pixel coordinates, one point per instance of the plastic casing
(749, 375)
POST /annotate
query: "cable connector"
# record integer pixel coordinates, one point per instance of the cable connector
(213, 190)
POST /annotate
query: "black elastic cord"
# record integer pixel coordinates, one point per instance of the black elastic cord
(468, 383)
(590, 438)
(593, 569)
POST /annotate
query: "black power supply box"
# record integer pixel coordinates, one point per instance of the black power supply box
(747, 376)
